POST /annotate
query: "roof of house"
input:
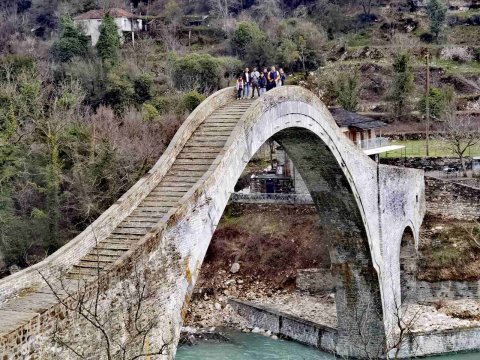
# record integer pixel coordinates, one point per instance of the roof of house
(345, 118)
(99, 14)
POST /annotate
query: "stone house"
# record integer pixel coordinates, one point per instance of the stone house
(364, 131)
(126, 22)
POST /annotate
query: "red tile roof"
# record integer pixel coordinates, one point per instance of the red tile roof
(99, 14)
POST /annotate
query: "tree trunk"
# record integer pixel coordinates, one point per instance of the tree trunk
(464, 166)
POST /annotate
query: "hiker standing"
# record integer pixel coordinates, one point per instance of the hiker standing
(246, 83)
(262, 83)
(265, 73)
(272, 78)
(239, 87)
(283, 77)
(255, 76)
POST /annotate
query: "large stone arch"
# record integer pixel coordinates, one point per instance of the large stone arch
(345, 186)
(363, 205)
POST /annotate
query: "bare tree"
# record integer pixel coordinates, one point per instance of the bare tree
(122, 322)
(460, 135)
(400, 334)
(223, 9)
(367, 6)
(473, 233)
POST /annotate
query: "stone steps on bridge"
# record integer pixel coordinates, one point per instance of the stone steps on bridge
(194, 160)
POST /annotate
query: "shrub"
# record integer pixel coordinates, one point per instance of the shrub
(426, 37)
(231, 68)
(192, 99)
(439, 99)
(16, 65)
(201, 72)
(120, 91)
(149, 112)
(143, 88)
(161, 104)
(168, 104)
(245, 35)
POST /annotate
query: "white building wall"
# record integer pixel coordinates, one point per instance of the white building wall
(91, 27)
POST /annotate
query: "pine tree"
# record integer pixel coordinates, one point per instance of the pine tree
(437, 10)
(109, 40)
(402, 85)
(348, 91)
(71, 42)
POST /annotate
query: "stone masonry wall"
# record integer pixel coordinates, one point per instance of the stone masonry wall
(425, 291)
(441, 342)
(291, 327)
(441, 194)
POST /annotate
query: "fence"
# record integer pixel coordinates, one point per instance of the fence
(263, 198)
(374, 143)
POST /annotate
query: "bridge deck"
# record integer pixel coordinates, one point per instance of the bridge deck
(193, 161)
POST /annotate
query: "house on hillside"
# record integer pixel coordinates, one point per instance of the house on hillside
(126, 22)
(363, 131)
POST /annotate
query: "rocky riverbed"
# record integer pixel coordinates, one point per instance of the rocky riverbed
(209, 308)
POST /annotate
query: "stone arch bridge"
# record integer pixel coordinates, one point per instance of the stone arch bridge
(166, 221)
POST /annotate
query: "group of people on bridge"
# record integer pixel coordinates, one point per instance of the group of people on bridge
(260, 81)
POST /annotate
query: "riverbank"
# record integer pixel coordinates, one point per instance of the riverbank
(210, 306)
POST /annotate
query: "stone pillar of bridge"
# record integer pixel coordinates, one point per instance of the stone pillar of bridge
(358, 299)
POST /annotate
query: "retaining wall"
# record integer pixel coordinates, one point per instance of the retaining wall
(452, 200)
(441, 342)
(425, 291)
(288, 326)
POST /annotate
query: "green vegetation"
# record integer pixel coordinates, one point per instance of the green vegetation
(417, 148)
(71, 41)
(438, 101)
(201, 72)
(455, 255)
(348, 90)
(109, 40)
(402, 85)
(437, 11)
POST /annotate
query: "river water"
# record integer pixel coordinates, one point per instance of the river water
(248, 346)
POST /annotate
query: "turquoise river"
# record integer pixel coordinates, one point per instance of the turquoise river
(248, 346)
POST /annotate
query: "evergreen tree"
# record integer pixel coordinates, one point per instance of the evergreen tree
(402, 85)
(348, 92)
(71, 42)
(439, 100)
(109, 40)
(437, 10)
